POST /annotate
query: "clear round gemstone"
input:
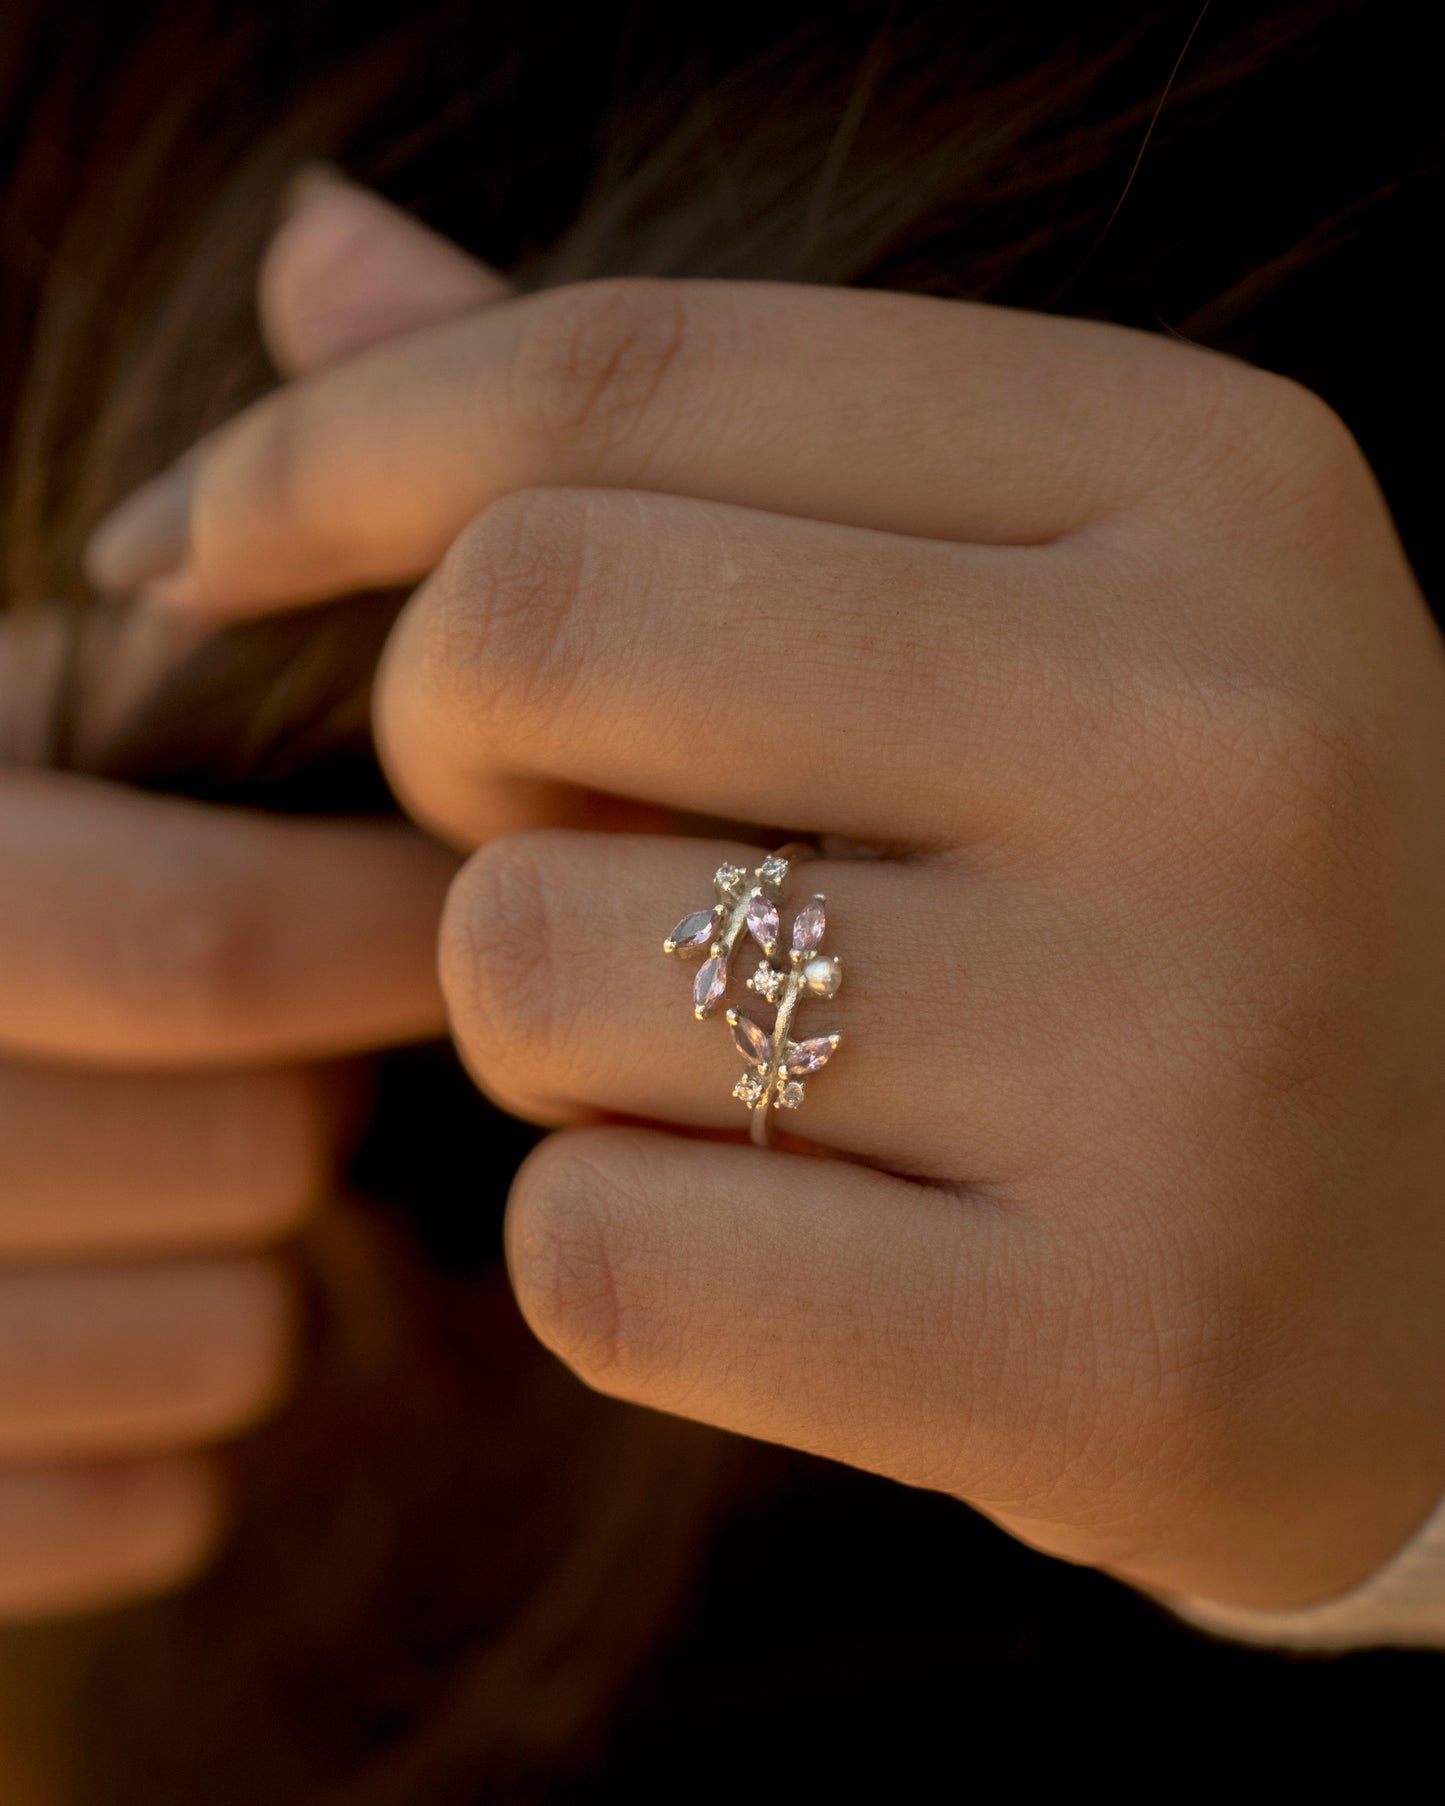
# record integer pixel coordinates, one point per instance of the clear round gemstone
(767, 983)
(790, 1095)
(730, 880)
(773, 871)
(750, 1089)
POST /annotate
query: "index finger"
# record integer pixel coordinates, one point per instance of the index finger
(941, 419)
(145, 931)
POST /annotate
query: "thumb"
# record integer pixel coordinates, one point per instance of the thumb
(347, 270)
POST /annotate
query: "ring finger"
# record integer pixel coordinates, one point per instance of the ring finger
(563, 1006)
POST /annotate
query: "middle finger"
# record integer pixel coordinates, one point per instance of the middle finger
(901, 412)
(734, 663)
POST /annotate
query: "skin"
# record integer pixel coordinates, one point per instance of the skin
(1105, 647)
(159, 1141)
(180, 999)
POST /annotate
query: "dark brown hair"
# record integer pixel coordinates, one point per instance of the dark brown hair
(450, 1560)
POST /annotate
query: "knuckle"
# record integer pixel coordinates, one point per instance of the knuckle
(595, 356)
(576, 1272)
(498, 965)
(1303, 847)
(501, 636)
(1278, 416)
(1277, 455)
(1289, 783)
(1251, 759)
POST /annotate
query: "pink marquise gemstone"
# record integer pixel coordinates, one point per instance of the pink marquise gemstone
(710, 983)
(808, 1056)
(809, 926)
(752, 1043)
(763, 922)
(692, 931)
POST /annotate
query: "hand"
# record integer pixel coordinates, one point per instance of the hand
(1136, 1241)
(170, 975)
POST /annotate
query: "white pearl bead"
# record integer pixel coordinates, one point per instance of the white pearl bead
(822, 976)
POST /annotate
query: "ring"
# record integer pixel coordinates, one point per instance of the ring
(741, 908)
(777, 1064)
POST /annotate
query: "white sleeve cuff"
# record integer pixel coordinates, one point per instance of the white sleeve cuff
(1402, 1603)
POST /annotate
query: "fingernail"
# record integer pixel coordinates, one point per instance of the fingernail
(346, 270)
(146, 537)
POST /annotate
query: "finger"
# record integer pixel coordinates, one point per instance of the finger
(164, 1163)
(562, 1003)
(80, 1537)
(734, 663)
(347, 270)
(77, 1538)
(141, 930)
(899, 412)
(807, 1302)
(119, 1360)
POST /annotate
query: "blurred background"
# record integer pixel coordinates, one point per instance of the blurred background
(454, 1575)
